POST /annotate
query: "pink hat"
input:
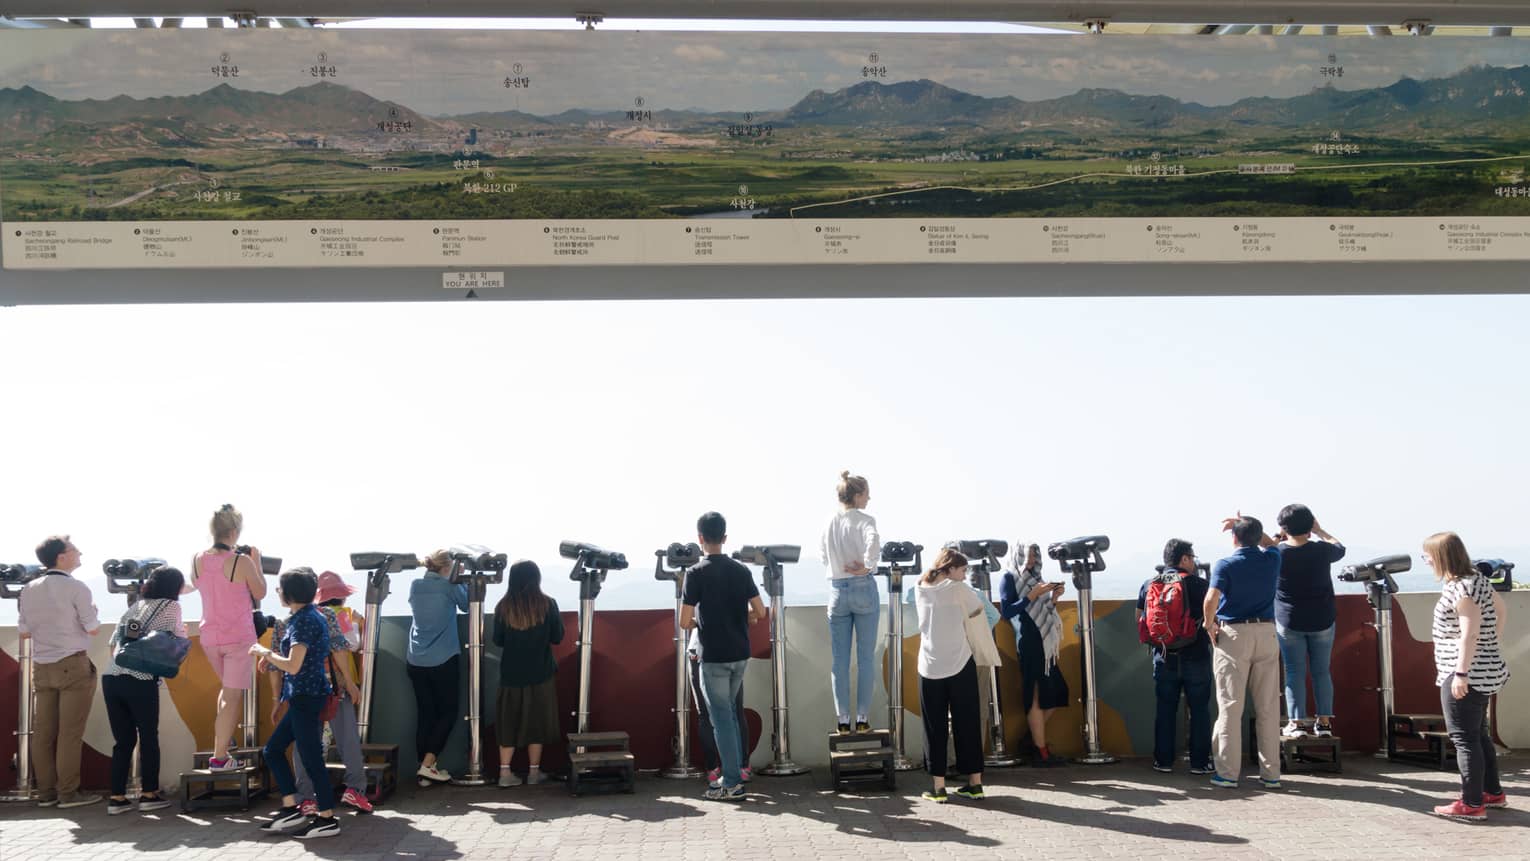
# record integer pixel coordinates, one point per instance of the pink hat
(331, 587)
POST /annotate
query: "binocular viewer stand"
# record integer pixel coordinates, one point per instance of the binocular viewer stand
(1082, 567)
(476, 567)
(682, 557)
(982, 563)
(596, 760)
(15, 577)
(895, 570)
(772, 559)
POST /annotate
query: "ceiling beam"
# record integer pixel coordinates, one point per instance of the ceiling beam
(1482, 13)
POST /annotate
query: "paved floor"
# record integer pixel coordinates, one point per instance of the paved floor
(1373, 811)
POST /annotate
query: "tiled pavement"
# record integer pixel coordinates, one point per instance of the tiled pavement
(1373, 811)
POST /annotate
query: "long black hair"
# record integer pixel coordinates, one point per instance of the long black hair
(524, 606)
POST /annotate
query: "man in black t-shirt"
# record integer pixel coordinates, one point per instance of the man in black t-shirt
(1187, 669)
(1305, 612)
(721, 599)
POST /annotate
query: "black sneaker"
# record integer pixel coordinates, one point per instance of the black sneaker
(936, 795)
(973, 791)
(284, 820)
(863, 726)
(318, 826)
(115, 806)
(844, 728)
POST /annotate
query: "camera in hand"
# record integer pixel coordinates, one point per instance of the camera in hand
(1376, 569)
(1498, 572)
(896, 552)
(592, 556)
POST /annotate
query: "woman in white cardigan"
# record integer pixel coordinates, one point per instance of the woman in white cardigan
(948, 679)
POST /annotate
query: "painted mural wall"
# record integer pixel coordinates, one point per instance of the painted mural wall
(632, 685)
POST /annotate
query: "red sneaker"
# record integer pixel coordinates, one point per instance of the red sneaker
(1461, 812)
(1491, 800)
(356, 800)
(309, 808)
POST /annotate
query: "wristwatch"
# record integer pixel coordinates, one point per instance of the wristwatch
(1462, 675)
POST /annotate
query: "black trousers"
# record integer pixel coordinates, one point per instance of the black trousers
(1466, 721)
(957, 696)
(132, 708)
(436, 706)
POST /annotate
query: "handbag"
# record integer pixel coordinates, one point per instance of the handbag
(157, 653)
(980, 639)
(331, 705)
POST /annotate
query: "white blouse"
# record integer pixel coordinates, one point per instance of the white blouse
(943, 610)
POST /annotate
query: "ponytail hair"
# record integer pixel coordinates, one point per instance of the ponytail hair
(851, 486)
(949, 558)
(439, 561)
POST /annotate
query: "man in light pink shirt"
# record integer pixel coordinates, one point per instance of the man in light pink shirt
(59, 616)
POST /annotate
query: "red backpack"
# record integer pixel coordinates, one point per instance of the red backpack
(1166, 621)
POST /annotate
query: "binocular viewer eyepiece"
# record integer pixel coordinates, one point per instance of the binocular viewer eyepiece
(981, 548)
(898, 552)
(679, 555)
(126, 576)
(13, 577)
(593, 556)
(387, 563)
(1202, 569)
(768, 554)
(1498, 572)
(1376, 569)
(1078, 548)
(474, 561)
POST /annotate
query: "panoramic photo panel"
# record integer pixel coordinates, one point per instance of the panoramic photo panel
(508, 146)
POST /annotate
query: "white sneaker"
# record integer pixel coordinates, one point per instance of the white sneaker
(1292, 730)
(508, 778)
(430, 772)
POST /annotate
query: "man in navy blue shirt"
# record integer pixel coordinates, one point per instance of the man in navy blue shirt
(1186, 669)
(1240, 617)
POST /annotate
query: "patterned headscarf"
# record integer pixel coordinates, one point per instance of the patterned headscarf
(1043, 610)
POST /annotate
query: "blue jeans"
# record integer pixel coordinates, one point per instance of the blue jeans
(1300, 650)
(721, 685)
(854, 606)
(1172, 674)
(301, 724)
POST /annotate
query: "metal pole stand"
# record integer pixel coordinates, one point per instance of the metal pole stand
(983, 560)
(477, 567)
(596, 760)
(379, 761)
(1081, 557)
(894, 571)
(1380, 600)
(12, 578)
(680, 557)
(772, 558)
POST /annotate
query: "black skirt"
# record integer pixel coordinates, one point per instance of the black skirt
(1035, 679)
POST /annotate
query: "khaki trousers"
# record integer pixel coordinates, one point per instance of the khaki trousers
(1246, 663)
(65, 691)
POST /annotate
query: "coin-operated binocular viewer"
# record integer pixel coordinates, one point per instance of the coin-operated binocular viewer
(12, 579)
(982, 563)
(1082, 558)
(126, 577)
(591, 565)
(772, 559)
(381, 759)
(595, 759)
(673, 563)
(476, 567)
(899, 559)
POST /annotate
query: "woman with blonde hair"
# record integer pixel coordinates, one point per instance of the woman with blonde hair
(948, 678)
(228, 578)
(851, 549)
(434, 654)
(1469, 669)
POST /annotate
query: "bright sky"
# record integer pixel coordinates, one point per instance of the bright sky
(517, 425)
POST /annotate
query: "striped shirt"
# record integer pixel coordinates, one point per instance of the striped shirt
(162, 614)
(1488, 672)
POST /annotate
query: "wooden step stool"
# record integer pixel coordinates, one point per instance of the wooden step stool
(1430, 729)
(381, 764)
(1311, 753)
(862, 757)
(600, 761)
(202, 787)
